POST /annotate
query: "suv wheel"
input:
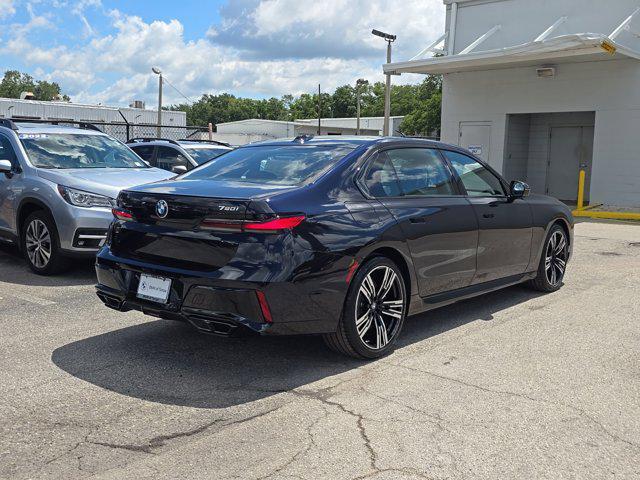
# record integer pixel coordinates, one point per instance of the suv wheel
(553, 262)
(374, 311)
(39, 242)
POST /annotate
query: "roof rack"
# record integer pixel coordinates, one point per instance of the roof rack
(151, 139)
(215, 142)
(303, 138)
(5, 122)
(89, 126)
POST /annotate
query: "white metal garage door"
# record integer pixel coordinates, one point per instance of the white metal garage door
(570, 149)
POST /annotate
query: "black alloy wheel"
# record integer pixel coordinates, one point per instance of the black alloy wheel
(374, 311)
(553, 262)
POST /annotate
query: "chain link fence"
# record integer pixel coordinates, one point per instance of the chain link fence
(126, 131)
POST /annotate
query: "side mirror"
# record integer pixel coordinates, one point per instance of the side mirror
(179, 169)
(6, 167)
(519, 189)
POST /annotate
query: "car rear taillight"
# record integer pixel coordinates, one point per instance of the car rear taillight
(274, 225)
(280, 223)
(120, 214)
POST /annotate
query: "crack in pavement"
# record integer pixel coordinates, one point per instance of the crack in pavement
(161, 440)
(310, 444)
(524, 396)
(323, 396)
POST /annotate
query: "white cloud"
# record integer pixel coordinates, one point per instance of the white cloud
(335, 39)
(7, 8)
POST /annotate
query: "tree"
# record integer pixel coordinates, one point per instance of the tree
(425, 119)
(420, 104)
(14, 83)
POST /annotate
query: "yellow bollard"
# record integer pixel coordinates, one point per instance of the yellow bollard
(581, 190)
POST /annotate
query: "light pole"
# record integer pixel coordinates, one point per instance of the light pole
(319, 110)
(387, 91)
(361, 82)
(158, 72)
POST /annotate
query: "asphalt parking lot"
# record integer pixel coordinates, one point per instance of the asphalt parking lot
(510, 385)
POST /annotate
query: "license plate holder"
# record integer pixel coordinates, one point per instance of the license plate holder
(154, 288)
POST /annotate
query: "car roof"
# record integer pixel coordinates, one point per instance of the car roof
(192, 144)
(354, 141)
(182, 143)
(35, 128)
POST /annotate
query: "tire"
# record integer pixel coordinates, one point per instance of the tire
(376, 334)
(553, 261)
(40, 244)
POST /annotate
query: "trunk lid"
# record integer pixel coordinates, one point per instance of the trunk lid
(197, 231)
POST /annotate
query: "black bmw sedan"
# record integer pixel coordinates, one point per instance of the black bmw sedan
(339, 236)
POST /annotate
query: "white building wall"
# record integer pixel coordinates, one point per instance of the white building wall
(86, 113)
(610, 88)
(522, 21)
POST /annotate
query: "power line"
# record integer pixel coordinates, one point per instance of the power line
(164, 79)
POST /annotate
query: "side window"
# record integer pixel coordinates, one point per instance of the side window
(168, 157)
(381, 180)
(144, 151)
(6, 150)
(421, 171)
(477, 180)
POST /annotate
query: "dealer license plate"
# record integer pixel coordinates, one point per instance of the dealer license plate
(153, 288)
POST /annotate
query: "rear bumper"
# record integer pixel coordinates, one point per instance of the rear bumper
(223, 307)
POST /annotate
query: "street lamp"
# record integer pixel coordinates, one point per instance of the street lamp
(361, 82)
(158, 72)
(387, 91)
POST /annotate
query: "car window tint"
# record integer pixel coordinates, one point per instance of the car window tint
(381, 180)
(6, 150)
(272, 164)
(144, 151)
(203, 155)
(477, 180)
(168, 157)
(420, 171)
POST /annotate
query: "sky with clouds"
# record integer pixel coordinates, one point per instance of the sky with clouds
(102, 51)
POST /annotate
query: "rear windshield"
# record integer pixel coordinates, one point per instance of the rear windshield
(78, 151)
(203, 155)
(272, 165)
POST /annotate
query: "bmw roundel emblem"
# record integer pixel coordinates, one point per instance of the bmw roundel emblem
(162, 208)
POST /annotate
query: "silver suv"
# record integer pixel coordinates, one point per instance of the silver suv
(57, 188)
(178, 156)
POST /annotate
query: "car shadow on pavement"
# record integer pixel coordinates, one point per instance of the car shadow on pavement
(171, 363)
(14, 269)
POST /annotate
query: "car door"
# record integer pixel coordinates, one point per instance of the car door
(7, 188)
(168, 157)
(417, 187)
(505, 225)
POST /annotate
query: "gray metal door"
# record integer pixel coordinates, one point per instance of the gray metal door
(570, 150)
(476, 137)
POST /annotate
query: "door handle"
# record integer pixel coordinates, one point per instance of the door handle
(418, 220)
(488, 215)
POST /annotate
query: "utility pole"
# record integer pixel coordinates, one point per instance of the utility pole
(158, 72)
(319, 109)
(359, 84)
(387, 92)
(387, 96)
